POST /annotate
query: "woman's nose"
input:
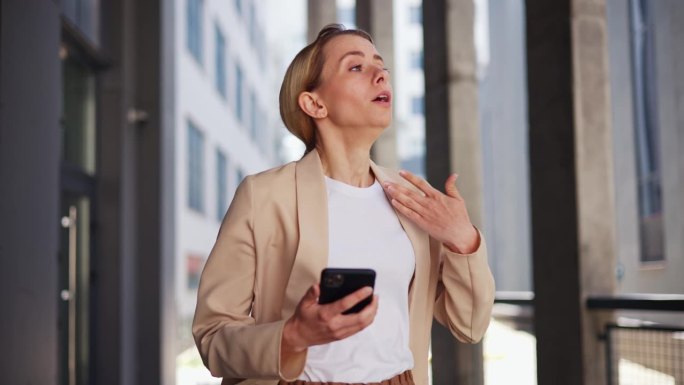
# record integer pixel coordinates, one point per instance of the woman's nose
(381, 75)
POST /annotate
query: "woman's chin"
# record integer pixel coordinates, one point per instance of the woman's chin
(381, 122)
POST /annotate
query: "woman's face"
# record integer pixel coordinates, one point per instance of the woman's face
(355, 86)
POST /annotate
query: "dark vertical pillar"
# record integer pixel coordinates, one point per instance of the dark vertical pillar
(437, 139)
(134, 341)
(553, 192)
(572, 197)
(30, 111)
(452, 145)
(147, 137)
(108, 328)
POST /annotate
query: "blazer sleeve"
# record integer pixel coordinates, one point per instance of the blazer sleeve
(465, 293)
(231, 343)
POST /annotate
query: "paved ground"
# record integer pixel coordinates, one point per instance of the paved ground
(509, 356)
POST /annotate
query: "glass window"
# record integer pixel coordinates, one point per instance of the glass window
(85, 14)
(646, 131)
(194, 28)
(220, 62)
(416, 14)
(254, 115)
(238, 7)
(221, 185)
(239, 93)
(194, 271)
(195, 168)
(79, 115)
(417, 60)
(347, 16)
(252, 25)
(418, 105)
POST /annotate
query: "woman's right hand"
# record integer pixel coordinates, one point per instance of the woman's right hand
(315, 324)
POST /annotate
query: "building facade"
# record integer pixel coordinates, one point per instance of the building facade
(226, 123)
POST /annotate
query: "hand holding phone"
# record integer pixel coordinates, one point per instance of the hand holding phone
(338, 283)
(313, 324)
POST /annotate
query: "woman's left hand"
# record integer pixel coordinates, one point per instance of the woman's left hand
(443, 216)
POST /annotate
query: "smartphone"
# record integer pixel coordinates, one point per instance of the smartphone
(338, 283)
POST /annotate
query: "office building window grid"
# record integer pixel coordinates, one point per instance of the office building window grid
(194, 28)
(646, 131)
(220, 62)
(195, 168)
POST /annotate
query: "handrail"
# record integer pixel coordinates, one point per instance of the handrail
(657, 302)
(660, 302)
(520, 298)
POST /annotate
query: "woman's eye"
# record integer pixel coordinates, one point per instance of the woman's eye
(356, 68)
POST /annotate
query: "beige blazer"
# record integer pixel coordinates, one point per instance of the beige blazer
(272, 246)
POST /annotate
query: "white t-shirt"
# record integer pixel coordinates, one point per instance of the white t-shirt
(364, 232)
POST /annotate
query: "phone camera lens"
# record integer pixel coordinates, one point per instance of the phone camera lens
(334, 280)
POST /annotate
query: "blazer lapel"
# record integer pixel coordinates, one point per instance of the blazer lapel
(419, 238)
(312, 216)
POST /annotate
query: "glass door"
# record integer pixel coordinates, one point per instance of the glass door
(74, 284)
(78, 181)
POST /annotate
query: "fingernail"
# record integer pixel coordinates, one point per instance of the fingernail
(402, 172)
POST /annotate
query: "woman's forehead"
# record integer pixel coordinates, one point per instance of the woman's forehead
(340, 46)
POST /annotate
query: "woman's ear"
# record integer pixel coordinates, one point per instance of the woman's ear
(312, 105)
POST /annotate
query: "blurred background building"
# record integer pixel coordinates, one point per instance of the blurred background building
(227, 126)
(126, 127)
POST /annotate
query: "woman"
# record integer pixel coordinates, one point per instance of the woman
(257, 314)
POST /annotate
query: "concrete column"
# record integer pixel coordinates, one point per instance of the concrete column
(30, 111)
(571, 185)
(377, 18)
(595, 181)
(319, 14)
(453, 145)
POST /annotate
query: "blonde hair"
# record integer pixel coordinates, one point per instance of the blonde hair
(304, 75)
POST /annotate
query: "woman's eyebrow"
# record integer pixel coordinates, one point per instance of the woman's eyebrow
(359, 53)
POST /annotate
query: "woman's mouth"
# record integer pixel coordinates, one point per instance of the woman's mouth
(383, 97)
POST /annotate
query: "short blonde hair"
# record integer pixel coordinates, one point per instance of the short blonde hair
(304, 75)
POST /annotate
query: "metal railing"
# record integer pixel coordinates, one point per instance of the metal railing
(642, 352)
(638, 352)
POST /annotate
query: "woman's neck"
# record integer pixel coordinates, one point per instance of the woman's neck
(347, 164)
